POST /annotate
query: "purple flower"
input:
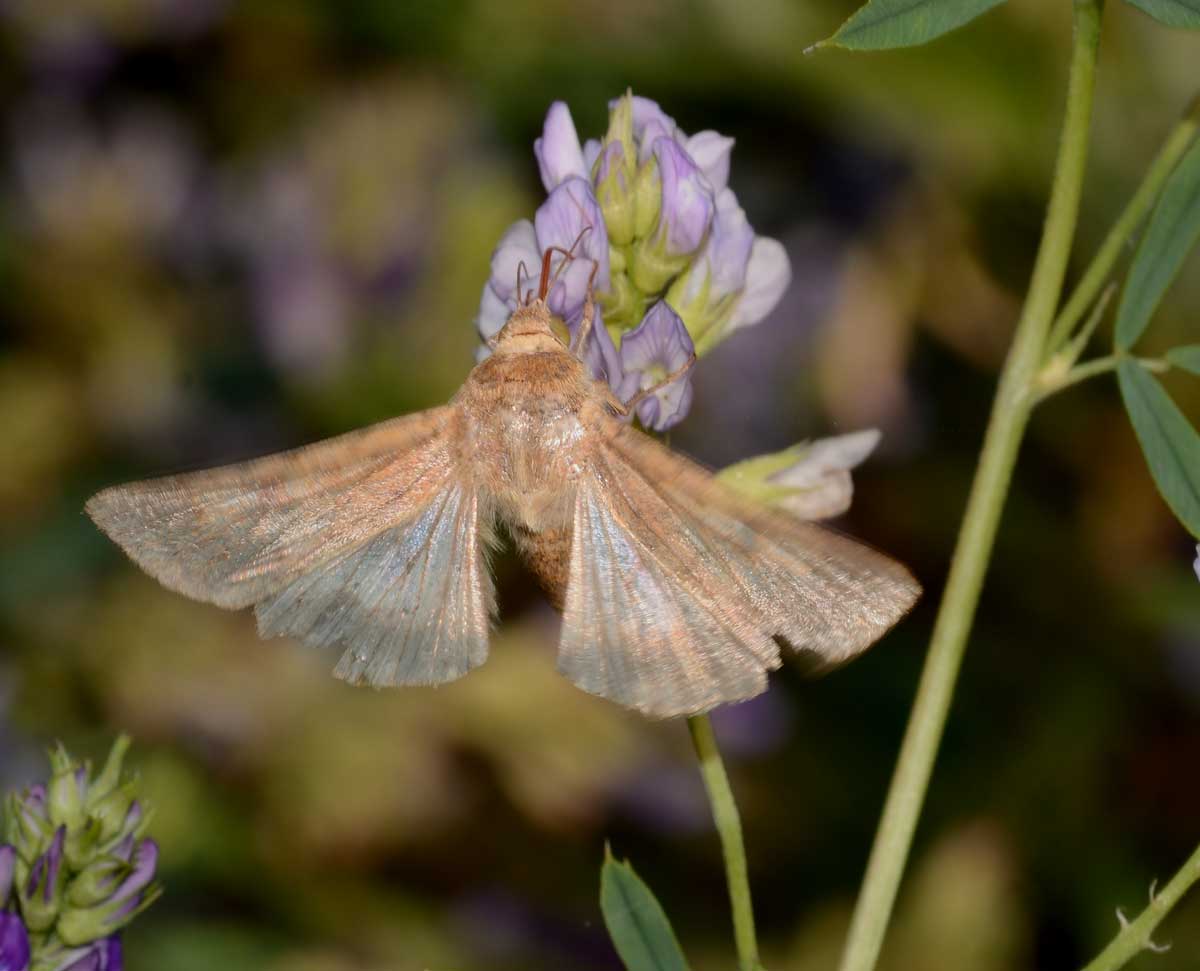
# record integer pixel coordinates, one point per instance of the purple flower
(666, 232)
(734, 281)
(569, 217)
(711, 150)
(558, 153)
(819, 483)
(14, 943)
(657, 347)
(1196, 564)
(650, 123)
(685, 213)
(105, 955)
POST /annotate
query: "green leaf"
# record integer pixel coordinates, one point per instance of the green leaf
(636, 922)
(1170, 444)
(1185, 358)
(1173, 13)
(882, 24)
(1173, 231)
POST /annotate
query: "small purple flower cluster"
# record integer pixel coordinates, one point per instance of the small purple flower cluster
(648, 211)
(75, 868)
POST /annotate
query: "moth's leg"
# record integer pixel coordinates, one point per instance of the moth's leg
(659, 385)
(579, 341)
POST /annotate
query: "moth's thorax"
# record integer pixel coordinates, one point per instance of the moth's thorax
(527, 421)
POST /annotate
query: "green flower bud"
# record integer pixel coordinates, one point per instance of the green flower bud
(811, 480)
(110, 812)
(27, 826)
(81, 843)
(97, 881)
(613, 181)
(623, 304)
(134, 893)
(67, 792)
(110, 776)
(647, 198)
(620, 132)
(40, 886)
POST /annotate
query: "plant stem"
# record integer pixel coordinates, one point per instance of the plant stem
(729, 828)
(1006, 427)
(1137, 935)
(1096, 275)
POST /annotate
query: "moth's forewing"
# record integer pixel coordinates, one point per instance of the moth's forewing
(334, 542)
(678, 585)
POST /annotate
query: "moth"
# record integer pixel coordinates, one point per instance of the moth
(675, 590)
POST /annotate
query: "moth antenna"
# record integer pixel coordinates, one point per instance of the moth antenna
(521, 268)
(545, 283)
(568, 256)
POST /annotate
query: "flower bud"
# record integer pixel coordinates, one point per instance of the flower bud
(624, 304)
(97, 881)
(41, 894)
(67, 792)
(684, 218)
(28, 826)
(111, 811)
(81, 843)
(135, 892)
(647, 198)
(110, 776)
(810, 480)
(613, 180)
(620, 131)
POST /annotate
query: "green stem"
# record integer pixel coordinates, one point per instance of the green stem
(1097, 274)
(729, 828)
(1138, 935)
(1006, 428)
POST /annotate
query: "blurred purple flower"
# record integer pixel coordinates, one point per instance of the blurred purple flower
(1196, 564)
(105, 955)
(14, 943)
(92, 870)
(41, 894)
(125, 185)
(754, 728)
(657, 347)
(133, 894)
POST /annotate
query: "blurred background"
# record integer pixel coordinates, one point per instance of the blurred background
(229, 228)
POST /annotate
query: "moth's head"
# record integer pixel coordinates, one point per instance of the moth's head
(533, 326)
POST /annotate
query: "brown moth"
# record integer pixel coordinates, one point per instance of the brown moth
(673, 587)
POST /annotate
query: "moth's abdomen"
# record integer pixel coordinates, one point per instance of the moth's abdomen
(548, 555)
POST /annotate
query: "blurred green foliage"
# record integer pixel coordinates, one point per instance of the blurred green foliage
(229, 228)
